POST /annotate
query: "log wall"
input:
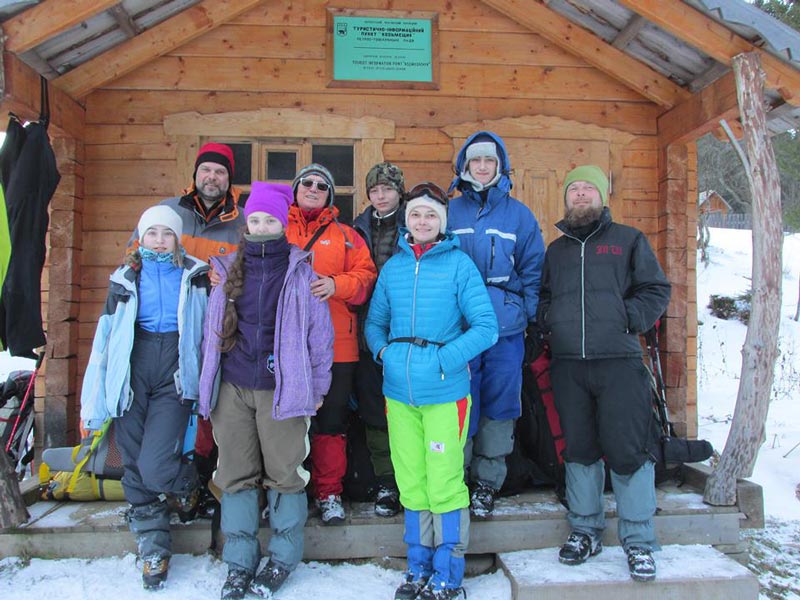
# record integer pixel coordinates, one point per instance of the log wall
(275, 57)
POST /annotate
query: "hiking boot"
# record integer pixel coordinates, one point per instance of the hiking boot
(236, 584)
(387, 501)
(641, 564)
(437, 592)
(185, 505)
(154, 571)
(410, 588)
(268, 580)
(578, 547)
(481, 501)
(331, 510)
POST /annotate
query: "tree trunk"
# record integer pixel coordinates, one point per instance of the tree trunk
(760, 348)
(12, 507)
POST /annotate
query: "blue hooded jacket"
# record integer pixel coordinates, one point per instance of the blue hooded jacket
(502, 237)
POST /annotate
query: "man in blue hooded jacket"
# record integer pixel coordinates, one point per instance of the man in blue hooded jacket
(503, 238)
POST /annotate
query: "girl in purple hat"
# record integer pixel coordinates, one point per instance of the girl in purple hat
(268, 350)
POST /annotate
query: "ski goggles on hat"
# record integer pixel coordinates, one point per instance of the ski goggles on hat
(429, 189)
(309, 183)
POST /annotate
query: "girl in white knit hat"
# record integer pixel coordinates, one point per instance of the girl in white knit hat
(143, 372)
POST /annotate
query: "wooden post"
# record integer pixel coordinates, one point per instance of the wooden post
(760, 348)
(673, 194)
(60, 411)
(12, 507)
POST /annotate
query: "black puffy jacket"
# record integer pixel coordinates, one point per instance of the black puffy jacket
(599, 294)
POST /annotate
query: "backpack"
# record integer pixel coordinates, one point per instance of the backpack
(17, 419)
(89, 471)
(536, 459)
(670, 451)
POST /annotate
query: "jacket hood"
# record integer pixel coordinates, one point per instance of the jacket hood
(504, 183)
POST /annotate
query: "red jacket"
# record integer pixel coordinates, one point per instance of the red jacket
(339, 253)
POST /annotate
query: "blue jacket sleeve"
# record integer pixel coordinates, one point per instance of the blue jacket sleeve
(376, 328)
(530, 260)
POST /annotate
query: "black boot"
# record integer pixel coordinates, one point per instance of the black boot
(236, 584)
(268, 580)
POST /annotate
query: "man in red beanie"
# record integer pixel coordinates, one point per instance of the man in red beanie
(212, 225)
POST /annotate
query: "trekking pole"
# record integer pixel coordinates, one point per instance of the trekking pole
(28, 390)
(654, 356)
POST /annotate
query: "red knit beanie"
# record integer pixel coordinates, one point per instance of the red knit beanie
(216, 153)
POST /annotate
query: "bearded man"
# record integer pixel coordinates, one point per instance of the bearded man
(602, 287)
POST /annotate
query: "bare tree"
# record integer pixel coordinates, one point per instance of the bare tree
(760, 348)
(12, 507)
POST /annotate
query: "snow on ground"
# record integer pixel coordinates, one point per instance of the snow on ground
(774, 551)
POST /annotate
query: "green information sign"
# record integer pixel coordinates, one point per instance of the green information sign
(381, 49)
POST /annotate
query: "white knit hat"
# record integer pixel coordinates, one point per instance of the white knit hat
(479, 149)
(160, 215)
(439, 208)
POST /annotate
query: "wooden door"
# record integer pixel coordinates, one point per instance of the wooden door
(542, 150)
(539, 167)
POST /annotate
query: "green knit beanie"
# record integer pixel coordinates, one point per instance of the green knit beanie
(590, 174)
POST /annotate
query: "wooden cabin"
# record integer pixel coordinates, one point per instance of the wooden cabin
(710, 202)
(628, 85)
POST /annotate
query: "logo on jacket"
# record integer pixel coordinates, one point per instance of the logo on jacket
(608, 249)
(325, 242)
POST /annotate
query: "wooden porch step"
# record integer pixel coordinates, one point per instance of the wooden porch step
(529, 521)
(682, 572)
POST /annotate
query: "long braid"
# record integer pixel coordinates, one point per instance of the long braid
(233, 289)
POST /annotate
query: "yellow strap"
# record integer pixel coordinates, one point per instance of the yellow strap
(97, 436)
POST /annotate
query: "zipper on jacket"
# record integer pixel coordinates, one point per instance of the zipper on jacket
(260, 311)
(491, 260)
(413, 333)
(583, 284)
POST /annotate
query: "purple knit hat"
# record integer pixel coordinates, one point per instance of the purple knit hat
(272, 198)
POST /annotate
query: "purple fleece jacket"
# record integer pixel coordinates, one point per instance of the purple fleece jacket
(303, 342)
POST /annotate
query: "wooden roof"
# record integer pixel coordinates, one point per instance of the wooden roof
(676, 53)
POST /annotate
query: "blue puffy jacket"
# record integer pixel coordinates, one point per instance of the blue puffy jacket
(504, 240)
(106, 390)
(439, 298)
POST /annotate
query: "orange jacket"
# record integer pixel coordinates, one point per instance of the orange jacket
(339, 253)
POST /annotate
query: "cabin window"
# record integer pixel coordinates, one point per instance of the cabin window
(281, 165)
(278, 161)
(242, 164)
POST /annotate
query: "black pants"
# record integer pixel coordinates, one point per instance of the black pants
(332, 417)
(606, 410)
(150, 434)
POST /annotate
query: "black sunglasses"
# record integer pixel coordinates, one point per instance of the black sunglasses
(309, 183)
(429, 189)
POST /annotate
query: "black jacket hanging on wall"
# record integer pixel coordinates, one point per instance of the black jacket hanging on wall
(28, 161)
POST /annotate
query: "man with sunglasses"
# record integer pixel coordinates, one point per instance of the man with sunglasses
(502, 237)
(379, 225)
(346, 273)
